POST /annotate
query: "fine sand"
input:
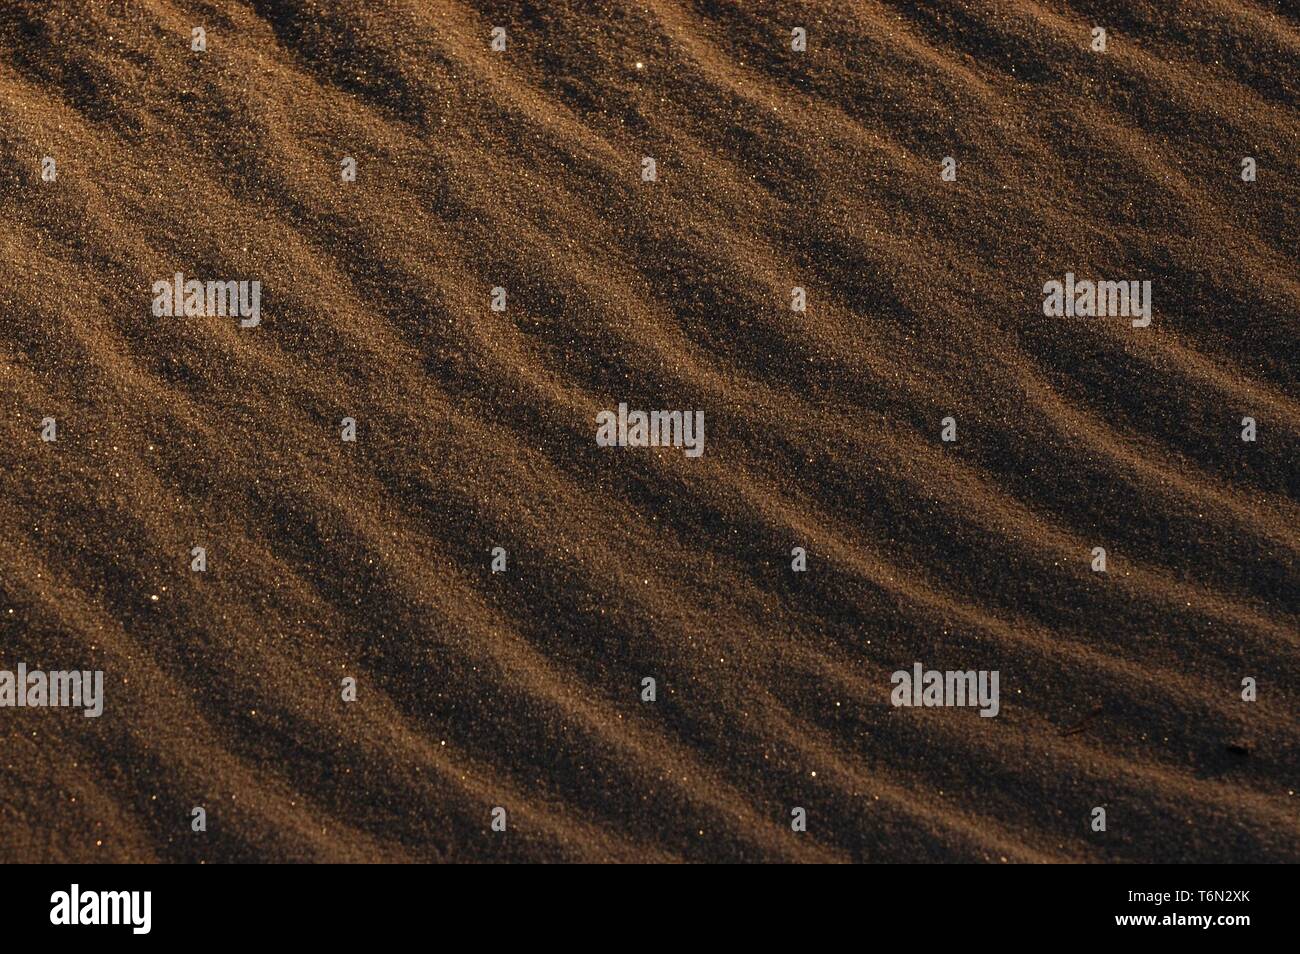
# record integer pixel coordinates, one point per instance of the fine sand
(522, 689)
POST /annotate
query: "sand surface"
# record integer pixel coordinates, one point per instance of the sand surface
(475, 429)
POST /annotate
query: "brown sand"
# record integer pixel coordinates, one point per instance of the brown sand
(476, 429)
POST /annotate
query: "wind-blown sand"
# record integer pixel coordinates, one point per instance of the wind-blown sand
(475, 429)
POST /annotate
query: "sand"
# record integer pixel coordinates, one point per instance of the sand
(475, 429)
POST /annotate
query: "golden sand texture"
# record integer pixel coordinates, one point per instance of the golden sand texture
(522, 170)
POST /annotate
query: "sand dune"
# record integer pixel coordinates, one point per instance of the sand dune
(478, 169)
